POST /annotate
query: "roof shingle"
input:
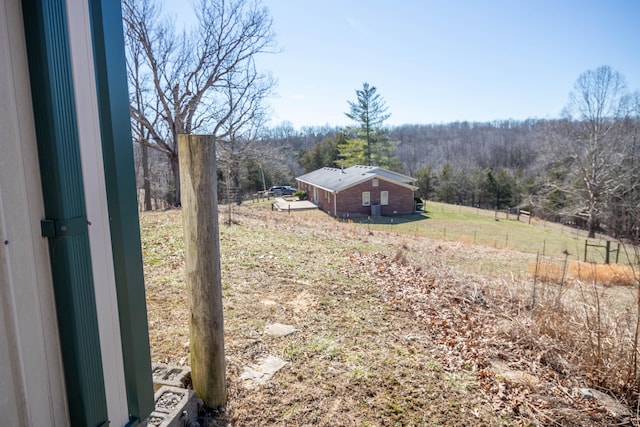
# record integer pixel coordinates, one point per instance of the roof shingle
(335, 180)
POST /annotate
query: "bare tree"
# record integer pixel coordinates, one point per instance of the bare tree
(192, 81)
(623, 203)
(244, 98)
(592, 139)
(141, 133)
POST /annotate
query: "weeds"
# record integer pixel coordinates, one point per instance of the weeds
(594, 322)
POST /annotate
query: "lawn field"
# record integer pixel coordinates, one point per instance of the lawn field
(423, 321)
(488, 228)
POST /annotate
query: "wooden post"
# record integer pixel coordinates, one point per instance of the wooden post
(198, 186)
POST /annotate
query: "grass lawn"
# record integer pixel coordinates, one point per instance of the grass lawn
(472, 225)
(395, 324)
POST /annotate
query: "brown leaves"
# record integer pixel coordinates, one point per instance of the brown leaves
(471, 332)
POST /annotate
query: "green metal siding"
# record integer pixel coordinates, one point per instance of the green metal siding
(117, 147)
(51, 78)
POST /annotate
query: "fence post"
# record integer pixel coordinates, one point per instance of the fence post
(607, 250)
(198, 186)
(585, 250)
(535, 281)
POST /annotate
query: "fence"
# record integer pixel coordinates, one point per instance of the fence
(607, 252)
(513, 214)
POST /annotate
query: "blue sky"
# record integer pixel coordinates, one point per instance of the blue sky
(444, 61)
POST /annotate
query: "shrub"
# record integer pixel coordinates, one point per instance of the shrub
(300, 194)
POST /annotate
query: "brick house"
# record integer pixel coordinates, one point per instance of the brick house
(359, 191)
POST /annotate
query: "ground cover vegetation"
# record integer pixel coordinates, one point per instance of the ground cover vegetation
(399, 326)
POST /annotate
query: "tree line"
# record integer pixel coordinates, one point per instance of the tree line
(582, 168)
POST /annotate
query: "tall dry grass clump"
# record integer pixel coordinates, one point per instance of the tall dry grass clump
(560, 272)
(592, 314)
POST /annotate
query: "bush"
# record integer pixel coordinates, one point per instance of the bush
(300, 194)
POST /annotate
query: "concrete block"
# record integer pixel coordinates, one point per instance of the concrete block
(174, 406)
(174, 376)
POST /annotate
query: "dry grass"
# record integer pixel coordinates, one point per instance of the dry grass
(557, 271)
(392, 328)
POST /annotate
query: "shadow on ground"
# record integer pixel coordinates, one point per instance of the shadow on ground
(389, 220)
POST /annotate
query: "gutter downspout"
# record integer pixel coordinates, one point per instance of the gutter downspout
(117, 148)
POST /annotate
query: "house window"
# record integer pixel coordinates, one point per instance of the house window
(374, 182)
(366, 198)
(384, 198)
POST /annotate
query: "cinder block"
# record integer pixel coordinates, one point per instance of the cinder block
(156, 419)
(174, 376)
(174, 406)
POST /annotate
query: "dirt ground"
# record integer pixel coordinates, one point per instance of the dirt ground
(390, 330)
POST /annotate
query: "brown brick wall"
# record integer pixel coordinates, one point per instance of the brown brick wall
(324, 200)
(350, 200)
(400, 199)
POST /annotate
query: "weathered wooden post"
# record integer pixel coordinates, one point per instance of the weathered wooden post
(198, 186)
(586, 244)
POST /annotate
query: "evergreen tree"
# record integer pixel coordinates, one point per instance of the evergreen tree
(447, 190)
(323, 154)
(368, 142)
(426, 181)
(497, 188)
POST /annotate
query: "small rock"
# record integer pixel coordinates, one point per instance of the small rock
(261, 372)
(612, 406)
(279, 330)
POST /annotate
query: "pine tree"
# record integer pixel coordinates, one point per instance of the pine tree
(369, 143)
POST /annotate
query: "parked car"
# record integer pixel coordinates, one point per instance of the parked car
(282, 190)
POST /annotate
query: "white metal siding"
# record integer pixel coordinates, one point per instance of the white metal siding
(97, 211)
(30, 351)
